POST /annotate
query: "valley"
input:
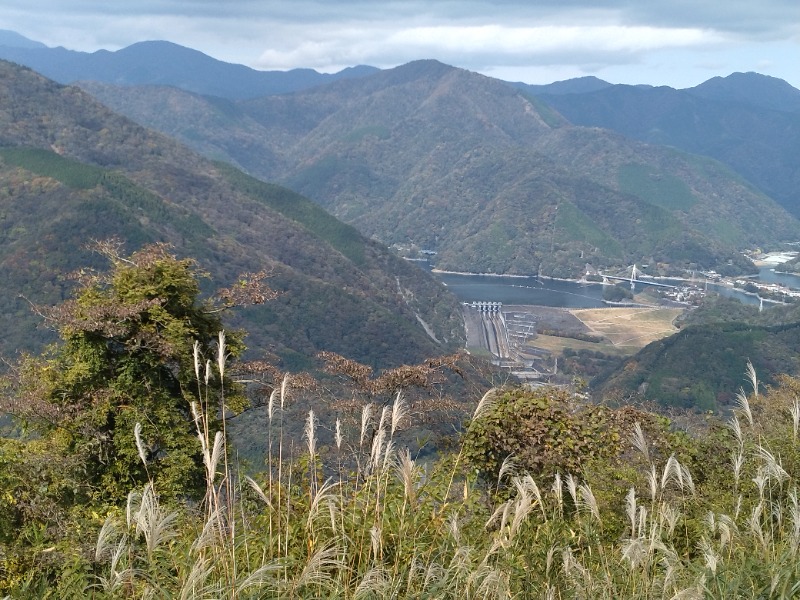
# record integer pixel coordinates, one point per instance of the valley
(529, 340)
(428, 159)
(230, 370)
(526, 324)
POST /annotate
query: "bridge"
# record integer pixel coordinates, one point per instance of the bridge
(634, 278)
(642, 281)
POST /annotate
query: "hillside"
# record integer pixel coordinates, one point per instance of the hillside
(72, 171)
(748, 121)
(701, 366)
(427, 156)
(164, 63)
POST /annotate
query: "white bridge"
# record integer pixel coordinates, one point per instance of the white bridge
(634, 279)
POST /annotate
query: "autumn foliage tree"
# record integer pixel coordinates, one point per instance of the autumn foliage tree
(127, 356)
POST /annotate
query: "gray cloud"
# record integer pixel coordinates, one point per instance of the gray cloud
(486, 35)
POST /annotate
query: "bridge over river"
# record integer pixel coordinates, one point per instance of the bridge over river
(640, 281)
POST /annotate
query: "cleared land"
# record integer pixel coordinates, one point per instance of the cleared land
(623, 330)
(631, 328)
(557, 344)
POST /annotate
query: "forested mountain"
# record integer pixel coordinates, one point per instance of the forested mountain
(748, 121)
(433, 157)
(164, 63)
(752, 89)
(577, 85)
(72, 171)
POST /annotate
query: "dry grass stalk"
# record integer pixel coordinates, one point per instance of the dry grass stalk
(399, 412)
(640, 442)
(752, 377)
(366, 418)
(743, 404)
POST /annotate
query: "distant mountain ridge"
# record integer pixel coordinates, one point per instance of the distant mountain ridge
(367, 147)
(164, 63)
(750, 88)
(748, 121)
(15, 40)
(492, 179)
(578, 85)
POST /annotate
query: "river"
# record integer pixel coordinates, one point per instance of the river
(523, 290)
(568, 294)
(768, 275)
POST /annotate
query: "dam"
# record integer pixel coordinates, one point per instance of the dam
(504, 332)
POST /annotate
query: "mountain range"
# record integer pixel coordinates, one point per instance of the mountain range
(72, 171)
(748, 121)
(163, 63)
(492, 179)
(489, 175)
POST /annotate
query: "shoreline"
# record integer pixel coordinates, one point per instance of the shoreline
(724, 282)
(580, 281)
(442, 271)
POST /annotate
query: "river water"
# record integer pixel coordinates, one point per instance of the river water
(568, 294)
(523, 290)
(768, 275)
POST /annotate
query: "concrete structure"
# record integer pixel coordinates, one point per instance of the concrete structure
(487, 307)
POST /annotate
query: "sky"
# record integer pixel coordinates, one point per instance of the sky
(679, 43)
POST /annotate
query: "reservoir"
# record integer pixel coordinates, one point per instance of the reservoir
(523, 290)
(568, 294)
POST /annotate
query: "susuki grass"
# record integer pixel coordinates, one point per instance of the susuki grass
(363, 519)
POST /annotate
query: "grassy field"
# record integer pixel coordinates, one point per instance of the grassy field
(628, 328)
(557, 344)
(624, 330)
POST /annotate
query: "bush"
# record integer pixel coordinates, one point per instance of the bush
(543, 429)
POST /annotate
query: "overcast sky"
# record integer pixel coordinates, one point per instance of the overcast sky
(677, 42)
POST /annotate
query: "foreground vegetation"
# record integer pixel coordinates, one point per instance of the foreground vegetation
(622, 525)
(542, 496)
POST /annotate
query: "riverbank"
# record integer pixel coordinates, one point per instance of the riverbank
(581, 281)
(467, 273)
(550, 291)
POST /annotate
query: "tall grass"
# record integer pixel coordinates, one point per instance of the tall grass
(310, 527)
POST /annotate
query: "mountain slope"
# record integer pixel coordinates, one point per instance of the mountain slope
(72, 171)
(433, 157)
(734, 120)
(701, 367)
(165, 63)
